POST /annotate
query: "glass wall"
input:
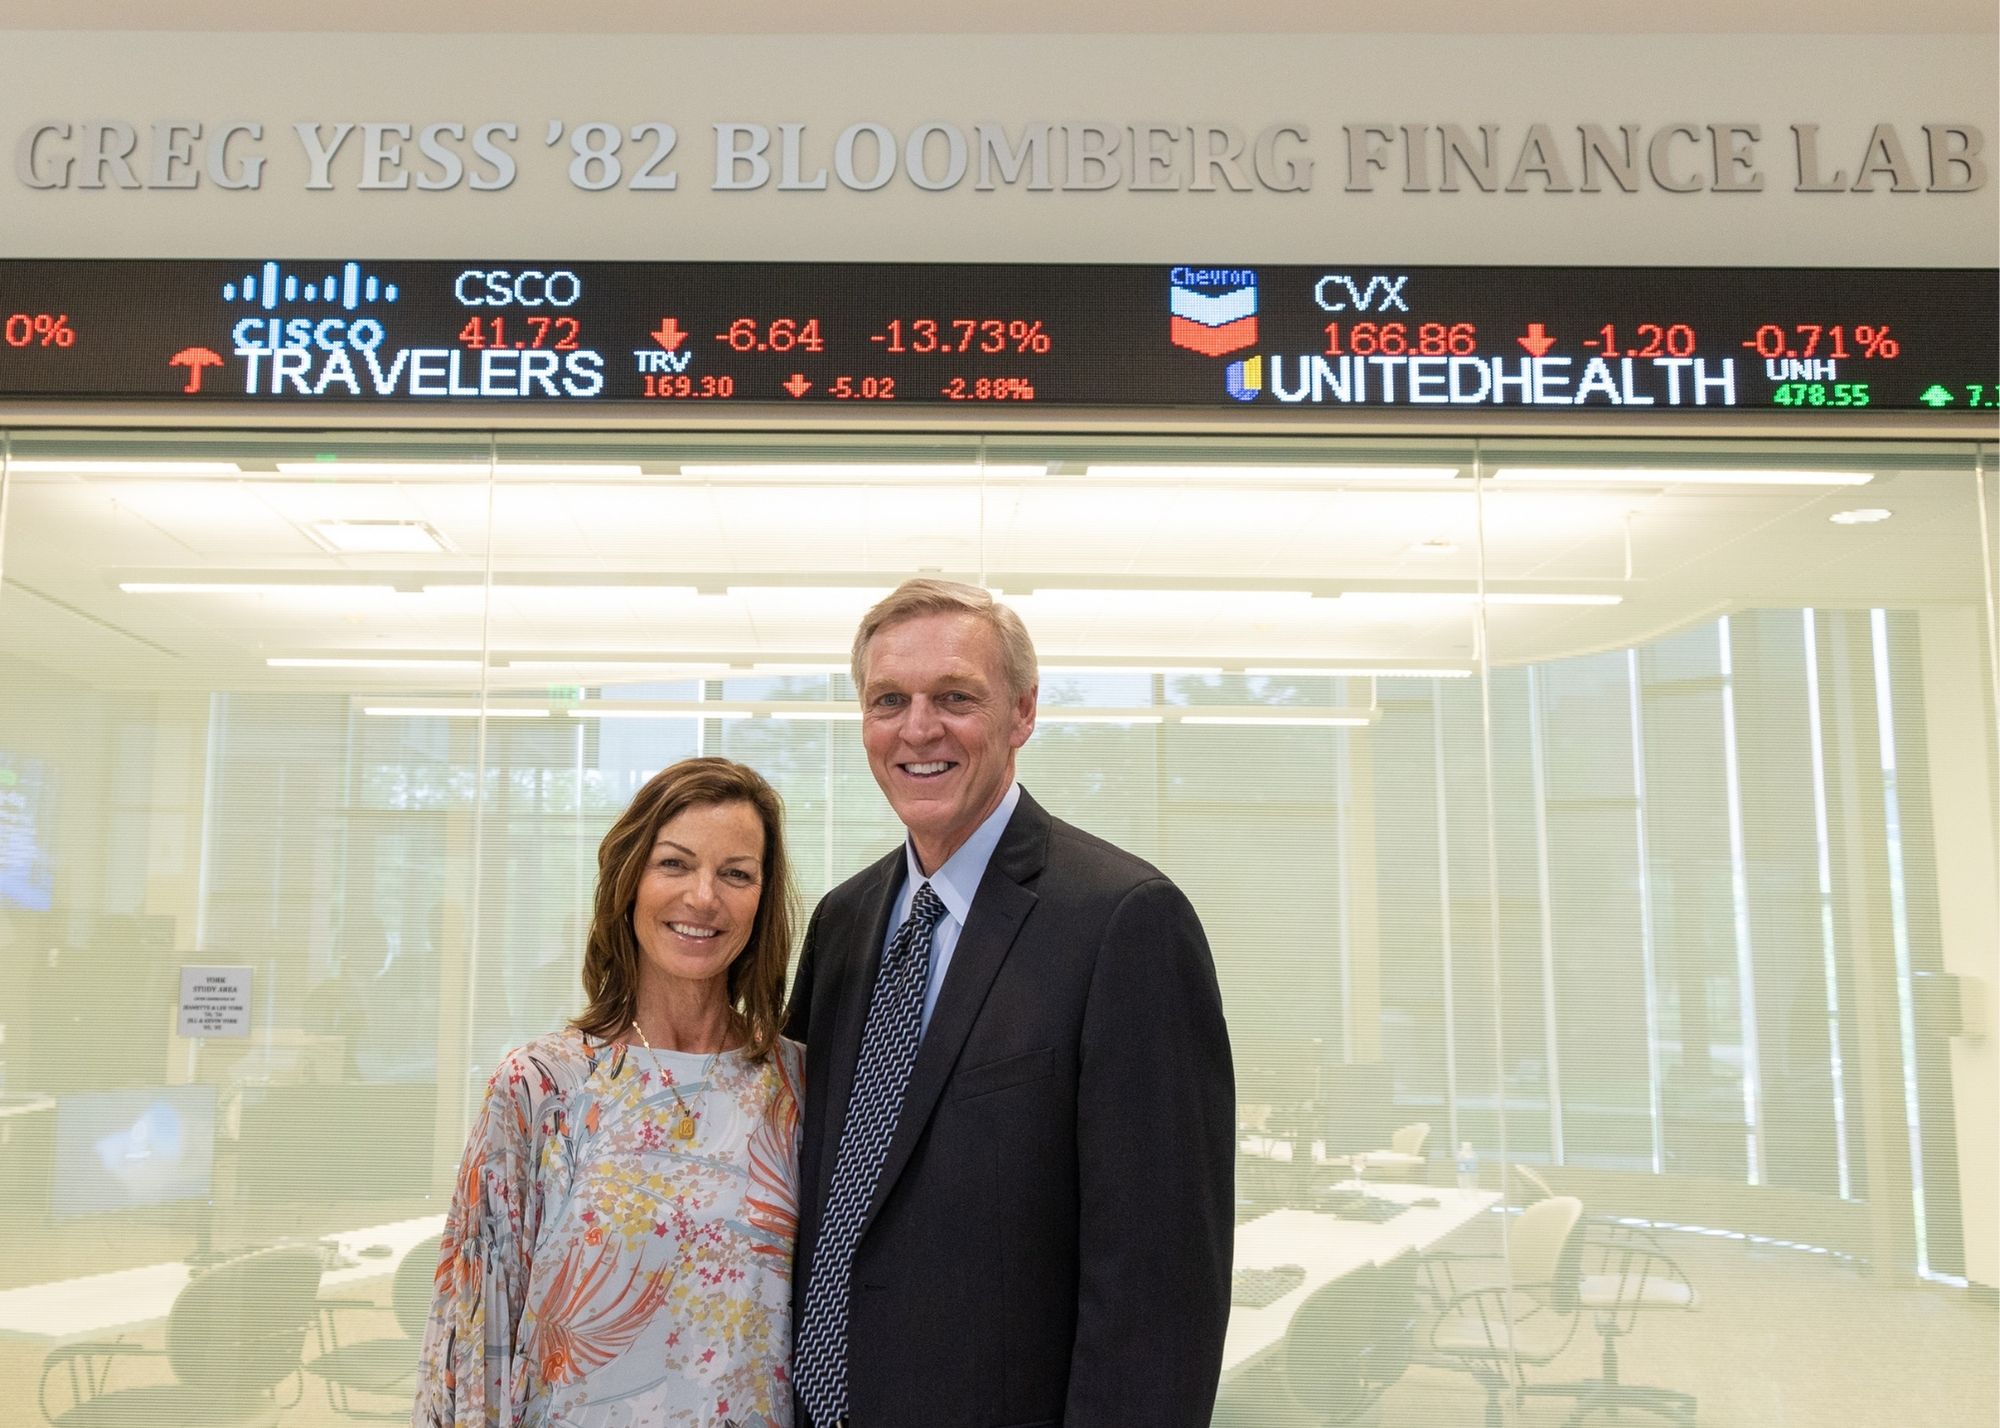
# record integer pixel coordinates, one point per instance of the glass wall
(1621, 814)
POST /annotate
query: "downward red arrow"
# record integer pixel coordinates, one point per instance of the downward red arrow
(1538, 342)
(669, 334)
(798, 386)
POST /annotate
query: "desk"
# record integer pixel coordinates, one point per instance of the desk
(95, 1304)
(1281, 1150)
(1326, 1248)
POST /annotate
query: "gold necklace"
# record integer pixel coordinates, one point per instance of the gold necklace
(683, 1127)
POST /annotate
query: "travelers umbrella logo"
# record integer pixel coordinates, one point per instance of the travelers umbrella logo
(1214, 309)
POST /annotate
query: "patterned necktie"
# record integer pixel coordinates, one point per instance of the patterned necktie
(888, 1049)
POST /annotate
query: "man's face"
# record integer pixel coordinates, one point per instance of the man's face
(940, 727)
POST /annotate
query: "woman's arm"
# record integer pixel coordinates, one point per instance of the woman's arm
(465, 1373)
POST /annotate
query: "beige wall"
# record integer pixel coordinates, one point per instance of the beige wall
(827, 82)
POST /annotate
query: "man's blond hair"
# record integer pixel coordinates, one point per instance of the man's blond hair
(915, 598)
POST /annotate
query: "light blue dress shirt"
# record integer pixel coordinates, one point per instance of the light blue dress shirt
(954, 883)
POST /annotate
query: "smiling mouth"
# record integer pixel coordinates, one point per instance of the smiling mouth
(929, 770)
(688, 929)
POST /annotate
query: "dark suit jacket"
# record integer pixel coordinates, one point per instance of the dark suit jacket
(1050, 1239)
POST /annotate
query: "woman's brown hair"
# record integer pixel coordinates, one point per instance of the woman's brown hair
(756, 979)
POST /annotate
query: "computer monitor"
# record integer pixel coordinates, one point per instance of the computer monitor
(27, 867)
(131, 1148)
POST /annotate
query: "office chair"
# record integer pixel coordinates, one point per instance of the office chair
(1497, 1332)
(1351, 1340)
(383, 1367)
(233, 1335)
(1404, 1159)
(1623, 1278)
(1528, 1187)
(1344, 1347)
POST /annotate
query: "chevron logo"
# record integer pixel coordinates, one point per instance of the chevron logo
(1213, 310)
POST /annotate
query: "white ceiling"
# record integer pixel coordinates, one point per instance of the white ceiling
(779, 17)
(670, 568)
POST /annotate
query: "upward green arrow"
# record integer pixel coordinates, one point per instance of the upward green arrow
(1935, 396)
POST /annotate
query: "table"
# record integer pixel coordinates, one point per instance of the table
(96, 1304)
(1326, 1248)
(1281, 1150)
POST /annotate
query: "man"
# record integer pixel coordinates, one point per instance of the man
(1016, 1181)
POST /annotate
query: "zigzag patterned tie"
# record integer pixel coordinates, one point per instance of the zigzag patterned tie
(888, 1050)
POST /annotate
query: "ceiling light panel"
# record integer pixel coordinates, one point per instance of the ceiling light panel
(1432, 599)
(340, 469)
(1354, 672)
(1249, 475)
(595, 711)
(1046, 715)
(859, 473)
(1179, 670)
(1677, 476)
(569, 471)
(461, 513)
(337, 470)
(413, 662)
(626, 670)
(25, 465)
(1160, 605)
(378, 537)
(303, 590)
(1279, 720)
(451, 711)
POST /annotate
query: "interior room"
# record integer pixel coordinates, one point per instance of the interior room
(1596, 839)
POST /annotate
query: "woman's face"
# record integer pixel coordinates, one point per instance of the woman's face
(697, 899)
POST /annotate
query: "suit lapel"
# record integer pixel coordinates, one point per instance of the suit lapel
(999, 908)
(859, 958)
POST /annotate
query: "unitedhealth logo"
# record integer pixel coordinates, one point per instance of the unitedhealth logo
(1214, 309)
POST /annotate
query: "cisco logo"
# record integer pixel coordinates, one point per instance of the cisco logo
(347, 289)
(271, 285)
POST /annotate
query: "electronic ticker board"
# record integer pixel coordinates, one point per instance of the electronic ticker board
(1325, 338)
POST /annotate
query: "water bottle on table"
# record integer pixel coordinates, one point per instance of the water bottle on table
(1468, 1166)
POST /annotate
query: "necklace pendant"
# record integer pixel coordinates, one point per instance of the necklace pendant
(684, 1128)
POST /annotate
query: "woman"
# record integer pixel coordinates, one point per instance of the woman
(619, 1247)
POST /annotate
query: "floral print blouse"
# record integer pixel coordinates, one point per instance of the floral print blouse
(619, 1248)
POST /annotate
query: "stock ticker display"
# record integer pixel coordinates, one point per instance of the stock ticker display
(1643, 340)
